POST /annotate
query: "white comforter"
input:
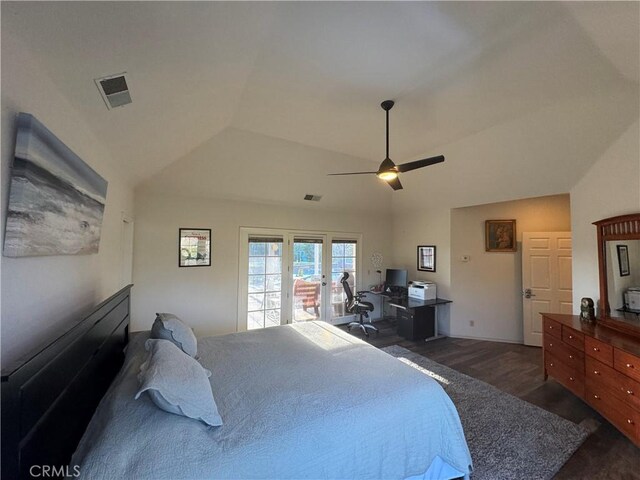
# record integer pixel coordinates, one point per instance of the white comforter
(297, 401)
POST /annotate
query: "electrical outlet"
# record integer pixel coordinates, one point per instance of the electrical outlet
(472, 323)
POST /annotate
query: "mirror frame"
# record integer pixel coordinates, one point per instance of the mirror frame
(623, 227)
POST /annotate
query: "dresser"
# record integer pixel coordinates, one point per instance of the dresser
(599, 365)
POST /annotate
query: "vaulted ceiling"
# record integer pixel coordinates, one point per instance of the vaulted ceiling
(315, 73)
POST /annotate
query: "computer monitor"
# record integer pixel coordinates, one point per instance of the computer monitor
(396, 279)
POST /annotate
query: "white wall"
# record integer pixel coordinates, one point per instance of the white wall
(554, 146)
(611, 187)
(428, 226)
(488, 288)
(207, 297)
(246, 166)
(40, 295)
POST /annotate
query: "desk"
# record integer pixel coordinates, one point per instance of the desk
(417, 319)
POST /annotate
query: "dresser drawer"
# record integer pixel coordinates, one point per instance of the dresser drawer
(566, 354)
(599, 350)
(620, 414)
(573, 338)
(602, 376)
(570, 377)
(626, 363)
(552, 327)
(552, 344)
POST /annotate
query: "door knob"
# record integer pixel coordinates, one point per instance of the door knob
(527, 293)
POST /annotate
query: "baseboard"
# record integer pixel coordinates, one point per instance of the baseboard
(487, 339)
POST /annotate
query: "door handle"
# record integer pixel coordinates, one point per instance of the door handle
(527, 293)
(324, 284)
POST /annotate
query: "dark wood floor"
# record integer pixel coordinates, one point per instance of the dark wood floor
(517, 369)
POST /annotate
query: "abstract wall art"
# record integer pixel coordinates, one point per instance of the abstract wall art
(56, 200)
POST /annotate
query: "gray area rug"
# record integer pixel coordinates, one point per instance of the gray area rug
(508, 437)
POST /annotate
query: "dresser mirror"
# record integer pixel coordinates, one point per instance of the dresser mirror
(623, 273)
(619, 265)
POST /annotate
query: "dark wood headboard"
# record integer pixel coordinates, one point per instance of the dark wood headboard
(48, 399)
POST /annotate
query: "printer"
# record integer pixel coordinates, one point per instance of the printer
(632, 298)
(422, 290)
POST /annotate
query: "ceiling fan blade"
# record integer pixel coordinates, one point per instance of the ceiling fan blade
(395, 184)
(352, 173)
(407, 167)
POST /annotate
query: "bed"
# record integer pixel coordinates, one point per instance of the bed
(297, 401)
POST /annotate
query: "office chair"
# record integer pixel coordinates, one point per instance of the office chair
(354, 304)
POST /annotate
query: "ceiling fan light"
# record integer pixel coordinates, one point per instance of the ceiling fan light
(388, 175)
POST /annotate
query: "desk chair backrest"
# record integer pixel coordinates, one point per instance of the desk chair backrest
(354, 305)
(351, 301)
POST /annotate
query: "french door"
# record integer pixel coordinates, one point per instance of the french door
(307, 272)
(290, 277)
(264, 281)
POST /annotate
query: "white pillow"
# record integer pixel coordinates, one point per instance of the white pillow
(169, 327)
(177, 383)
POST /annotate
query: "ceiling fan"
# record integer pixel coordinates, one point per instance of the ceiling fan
(388, 171)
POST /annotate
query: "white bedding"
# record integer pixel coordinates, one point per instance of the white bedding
(297, 401)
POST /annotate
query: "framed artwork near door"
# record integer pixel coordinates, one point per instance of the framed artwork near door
(500, 235)
(427, 258)
(194, 247)
(623, 260)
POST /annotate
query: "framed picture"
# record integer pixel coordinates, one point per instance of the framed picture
(194, 247)
(500, 236)
(623, 260)
(427, 258)
(57, 200)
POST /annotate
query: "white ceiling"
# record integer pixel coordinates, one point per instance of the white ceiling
(315, 73)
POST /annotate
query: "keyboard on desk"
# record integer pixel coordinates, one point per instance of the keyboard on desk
(397, 298)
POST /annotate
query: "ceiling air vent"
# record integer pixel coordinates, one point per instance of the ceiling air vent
(114, 90)
(312, 198)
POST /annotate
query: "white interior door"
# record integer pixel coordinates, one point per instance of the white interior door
(546, 280)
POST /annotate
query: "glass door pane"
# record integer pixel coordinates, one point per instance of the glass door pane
(307, 279)
(264, 302)
(343, 259)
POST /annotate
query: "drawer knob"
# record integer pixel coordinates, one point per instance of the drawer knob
(629, 392)
(550, 327)
(570, 336)
(596, 372)
(551, 364)
(551, 345)
(571, 357)
(629, 365)
(572, 379)
(597, 397)
(596, 349)
(629, 421)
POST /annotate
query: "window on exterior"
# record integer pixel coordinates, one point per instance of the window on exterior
(343, 259)
(264, 303)
(307, 279)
